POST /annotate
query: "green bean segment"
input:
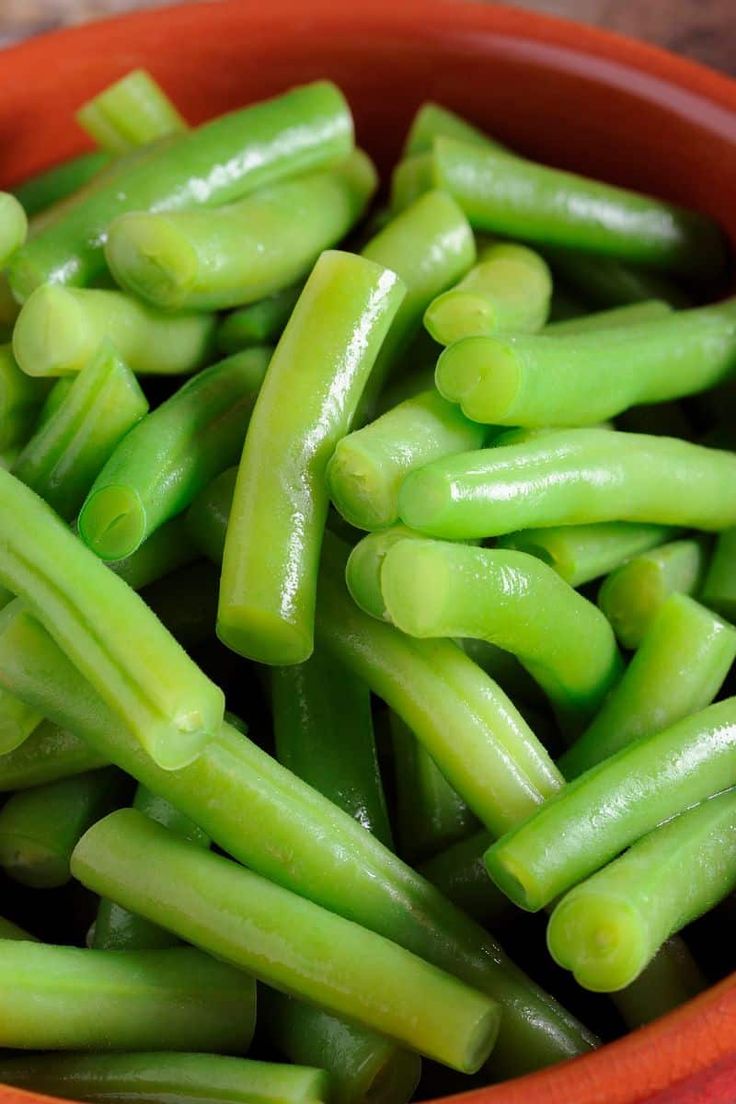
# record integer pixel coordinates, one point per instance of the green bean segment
(632, 314)
(58, 182)
(213, 259)
(160, 466)
(257, 323)
(719, 586)
(133, 111)
(13, 226)
(306, 404)
(434, 121)
(410, 180)
(21, 399)
(48, 754)
(613, 804)
(677, 670)
(608, 929)
(568, 478)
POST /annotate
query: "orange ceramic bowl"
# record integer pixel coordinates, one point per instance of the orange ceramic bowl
(575, 97)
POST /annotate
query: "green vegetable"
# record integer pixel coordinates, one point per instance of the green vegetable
(207, 517)
(257, 323)
(719, 587)
(434, 121)
(13, 226)
(129, 113)
(48, 754)
(21, 399)
(54, 184)
(410, 180)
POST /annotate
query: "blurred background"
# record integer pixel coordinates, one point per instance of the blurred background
(701, 29)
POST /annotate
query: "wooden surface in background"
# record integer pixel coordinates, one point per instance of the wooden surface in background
(701, 29)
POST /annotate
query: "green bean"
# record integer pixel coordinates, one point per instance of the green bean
(65, 998)
(430, 246)
(213, 259)
(115, 928)
(459, 872)
(430, 813)
(169, 547)
(268, 819)
(270, 932)
(129, 113)
(678, 669)
(580, 553)
(579, 380)
(518, 198)
(719, 586)
(437, 589)
(185, 601)
(604, 282)
(572, 477)
(507, 291)
(631, 314)
(361, 1066)
(59, 329)
(208, 515)
(17, 720)
(48, 754)
(40, 827)
(302, 130)
(108, 632)
(434, 121)
(411, 178)
(21, 399)
(370, 464)
(9, 930)
(327, 738)
(160, 466)
(58, 182)
(150, 1078)
(671, 978)
(13, 227)
(63, 457)
(633, 594)
(613, 804)
(257, 323)
(608, 929)
(314, 382)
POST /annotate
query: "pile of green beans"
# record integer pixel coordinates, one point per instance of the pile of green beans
(321, 660)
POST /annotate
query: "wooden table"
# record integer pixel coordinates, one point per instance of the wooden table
(701, 29)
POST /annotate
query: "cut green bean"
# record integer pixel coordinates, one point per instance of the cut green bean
(460, 873)
(580, 553)
(58, 182)
(48, 754)
(60, 329)
(411, 178)
(677, 670)
(438, 589)
(208, 515)
(257, 323)
(520, 199)
(268, 819)
(307, 402)
(430, 246)
(17, 720)
(21, 399)
(572, 477)
(168, 548)
(160, 466)
(632, 314)
(62, 459)
(604, 282)
(214, 259)
(507, 291)
(370, 464)
(633, 594)
(64, 998)
(579, 380)
(107, 631)
(129, 113)
(671, 978)
(364, 565)
(13, 226)
(614, 804)
(150, 1078)
(39, 828)
(719, 587)
(434, 121)
(274, 934)
(304, 129)
(609, 928)
(323, 731)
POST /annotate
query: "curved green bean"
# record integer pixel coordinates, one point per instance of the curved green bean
(631, 314)
(129, 113)
(13, 226)
(21, 399)
(719, 586)
(434, 121)
(257, 323)
(48, 754)
(54, 184)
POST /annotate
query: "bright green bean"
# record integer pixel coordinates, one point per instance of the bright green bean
(507, 291)
(168, 548)
(13, 227)
(580, 553)
(257, 323)
(365, 562)
(719, 586)
(63, 457)
(64, 998)
(438, 589)
(370, 464)
(633, 594)
(59, 329)
(304, 129)
(609, 928)
(534, 203)
(323, 730)
(677, 670)
(208, 515)
(434, 121)
(460, 873)
(257, 811)
(129, 113)
(160, 466)
(21, 399)
(40, 827)
(572, 477)
(107, 631)
(313, 386)
(49, 754)
(605, 282)
(671, 978)
(276, 935)
(58, 182)
(632, 314)
(214, 259)
(613, 804)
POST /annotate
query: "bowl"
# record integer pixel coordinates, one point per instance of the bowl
(569, 95)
